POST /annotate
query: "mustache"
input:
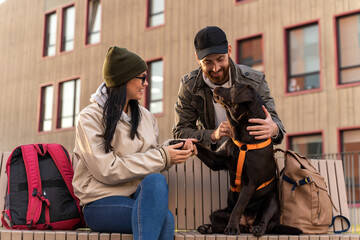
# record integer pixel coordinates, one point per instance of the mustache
(220, 70)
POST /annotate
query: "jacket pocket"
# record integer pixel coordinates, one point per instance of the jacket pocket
(321, 212)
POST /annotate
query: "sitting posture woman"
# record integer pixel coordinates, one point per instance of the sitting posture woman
(119, 159)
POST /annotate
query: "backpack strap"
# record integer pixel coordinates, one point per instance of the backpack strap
(344, 218)
(5, 219)
(62, 161)
(35, 197)
(299, 183)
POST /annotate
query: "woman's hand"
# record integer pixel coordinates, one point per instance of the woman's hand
(189, 144)
(179, 156)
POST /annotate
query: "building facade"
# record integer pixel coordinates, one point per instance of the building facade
(52, 53)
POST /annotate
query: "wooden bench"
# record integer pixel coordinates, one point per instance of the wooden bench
(194, 192)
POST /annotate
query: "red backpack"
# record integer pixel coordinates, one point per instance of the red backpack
(40, 194)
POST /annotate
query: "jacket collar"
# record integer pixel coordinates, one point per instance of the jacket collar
(234, 73)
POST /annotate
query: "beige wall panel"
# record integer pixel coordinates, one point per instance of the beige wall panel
(356, 107)
(52, 4)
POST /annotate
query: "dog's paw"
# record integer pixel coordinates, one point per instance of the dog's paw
(257, 230)
(205, 229)
(232, 230)
(176, 141)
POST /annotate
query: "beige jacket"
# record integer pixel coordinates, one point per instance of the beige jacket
(99, 174)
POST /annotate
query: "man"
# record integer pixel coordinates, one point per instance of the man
(198, 116)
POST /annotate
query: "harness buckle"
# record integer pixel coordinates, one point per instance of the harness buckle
(244, 148)
(309, 179)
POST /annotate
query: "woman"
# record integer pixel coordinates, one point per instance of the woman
(117, 177)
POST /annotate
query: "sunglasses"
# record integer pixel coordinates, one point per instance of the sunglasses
(143, 79)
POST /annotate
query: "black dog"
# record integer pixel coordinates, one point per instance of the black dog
(253, 206)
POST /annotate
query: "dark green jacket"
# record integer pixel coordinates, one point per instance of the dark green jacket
(194, 110)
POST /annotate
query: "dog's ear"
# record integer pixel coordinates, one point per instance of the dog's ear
(243, 93)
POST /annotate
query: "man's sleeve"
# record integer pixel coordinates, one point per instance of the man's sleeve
(186, 116)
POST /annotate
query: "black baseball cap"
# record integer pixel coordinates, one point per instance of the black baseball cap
(210, 40)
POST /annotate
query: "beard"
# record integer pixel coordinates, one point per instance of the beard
(218, 80)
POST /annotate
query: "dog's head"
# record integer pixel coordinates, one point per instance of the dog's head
(241, 102)
(237, 100)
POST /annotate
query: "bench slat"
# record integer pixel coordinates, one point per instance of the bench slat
(333, 191)
(181, 195)
(50, 235)
(172, 192)
(197, 193)
(206, 192)
(215, 192)
(71, 235)
(104, 236)
(224, 188)
(343, 206)
(189, 184)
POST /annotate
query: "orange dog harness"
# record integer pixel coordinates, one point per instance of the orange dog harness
(241, 160)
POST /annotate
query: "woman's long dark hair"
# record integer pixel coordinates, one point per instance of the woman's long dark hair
(113, 109)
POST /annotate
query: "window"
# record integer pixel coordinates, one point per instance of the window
(46, 108)
(154, 96)
(307, 145)
(250, 53)
(69, 103)
(348, 47)
(68, 29)
(93, 22)
(156, 12)
(50, 34)
(350, 146)
(303, 60)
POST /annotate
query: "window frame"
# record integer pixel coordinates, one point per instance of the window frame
(41, 110)
(304, 134)
(63, 26)
(44, 49)
(148, 88)
(148, 15)
(87, 24)
(339, 135)
(250, 37)
(337, 49)
(286, 30)
(59, 107)
(341, 151)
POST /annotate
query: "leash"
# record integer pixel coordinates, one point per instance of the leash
(241, 159)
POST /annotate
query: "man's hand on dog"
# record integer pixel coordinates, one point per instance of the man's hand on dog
(181, 151)
(222, 131)
(267, 128)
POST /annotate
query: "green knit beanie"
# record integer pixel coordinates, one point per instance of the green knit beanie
(120, 66)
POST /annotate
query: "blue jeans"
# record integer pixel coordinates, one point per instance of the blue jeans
(145, 215)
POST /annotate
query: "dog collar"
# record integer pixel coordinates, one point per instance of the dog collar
(241, 159)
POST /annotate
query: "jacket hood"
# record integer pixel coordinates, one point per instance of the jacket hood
(100, 96)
